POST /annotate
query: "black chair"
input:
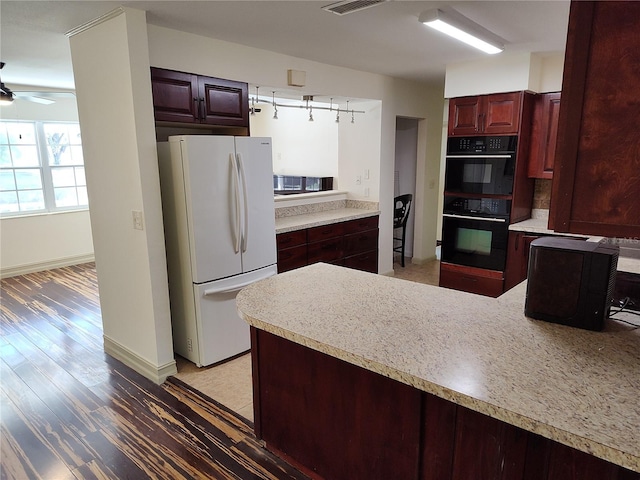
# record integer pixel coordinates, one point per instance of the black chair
(401, 208)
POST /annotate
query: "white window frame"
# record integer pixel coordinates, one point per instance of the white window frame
(45, 172)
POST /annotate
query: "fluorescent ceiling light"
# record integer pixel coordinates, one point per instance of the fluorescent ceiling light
(463, 29)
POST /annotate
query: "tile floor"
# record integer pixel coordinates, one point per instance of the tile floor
(229, 383)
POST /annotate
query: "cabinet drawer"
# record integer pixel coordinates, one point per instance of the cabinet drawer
(323, 232)
(361, 224)
(291, 239)
(290, 258)
(325, 251)
(367, 261)
(469, 279)
(360, 242)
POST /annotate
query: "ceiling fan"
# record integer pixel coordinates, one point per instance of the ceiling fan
(7, 96)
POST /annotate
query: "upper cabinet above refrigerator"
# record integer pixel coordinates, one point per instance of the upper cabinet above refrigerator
(180, 97)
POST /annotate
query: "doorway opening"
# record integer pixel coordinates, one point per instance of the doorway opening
(404, 181)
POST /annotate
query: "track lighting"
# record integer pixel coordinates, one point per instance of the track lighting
(275, 106)
(307, 99)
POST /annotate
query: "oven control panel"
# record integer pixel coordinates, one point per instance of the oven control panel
(477, 206)
(483, 144)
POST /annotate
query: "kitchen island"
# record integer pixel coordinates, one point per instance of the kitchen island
(363, 376)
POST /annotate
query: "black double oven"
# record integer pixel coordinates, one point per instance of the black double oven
(479, 176)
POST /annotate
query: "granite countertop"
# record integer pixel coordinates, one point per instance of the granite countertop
(577, 387)
(315, 219)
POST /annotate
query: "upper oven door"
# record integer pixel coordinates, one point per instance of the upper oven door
(480, 165)
(480, 175)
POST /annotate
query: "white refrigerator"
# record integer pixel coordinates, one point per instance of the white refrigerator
(219, 221)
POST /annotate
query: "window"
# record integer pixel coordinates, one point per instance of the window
(41, 167)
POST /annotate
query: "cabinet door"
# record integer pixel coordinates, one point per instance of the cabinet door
(596, 181)
(293, 257)
(544, 135)
(175, 96)
(501, 113)
(487, 448)
(223, 102)
(517, 258)
(292, 250)
(464, 114)
(486, 114)
(328, 250)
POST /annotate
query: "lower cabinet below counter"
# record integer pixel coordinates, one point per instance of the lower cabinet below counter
(353, 244)
(335, 420)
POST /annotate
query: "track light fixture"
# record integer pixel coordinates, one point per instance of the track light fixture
(275, 106)
(307, 105)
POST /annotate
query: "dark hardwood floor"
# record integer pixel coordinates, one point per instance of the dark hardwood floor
(69, 411)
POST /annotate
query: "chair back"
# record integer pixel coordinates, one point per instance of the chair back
(402, 206)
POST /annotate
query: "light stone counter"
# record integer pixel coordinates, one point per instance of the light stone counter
(574, 386)
(309, 218)
(325, 217)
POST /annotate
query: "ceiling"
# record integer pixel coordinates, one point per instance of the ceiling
(385, 39)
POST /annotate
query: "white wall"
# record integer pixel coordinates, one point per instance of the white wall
(113, 86)
(360, 153)
(38, 242)
(505, 73)
(300, 147)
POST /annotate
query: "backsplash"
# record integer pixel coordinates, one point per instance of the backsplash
(542, 194)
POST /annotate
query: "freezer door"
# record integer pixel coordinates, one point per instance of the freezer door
(213, 206)
(256, 176)
(221, 332)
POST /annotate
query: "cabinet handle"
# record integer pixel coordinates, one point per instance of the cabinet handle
(197, 106)
(518, 241)
(201, 109)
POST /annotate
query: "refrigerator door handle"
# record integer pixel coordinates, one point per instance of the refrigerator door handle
(245, 229)
(237, 286)
(236, 190)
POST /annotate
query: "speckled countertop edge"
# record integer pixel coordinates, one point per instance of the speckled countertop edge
(604, 423)
(316, 219)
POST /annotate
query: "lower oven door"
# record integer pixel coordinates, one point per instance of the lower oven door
(479, 242)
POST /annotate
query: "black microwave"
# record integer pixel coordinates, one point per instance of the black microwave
(571, 281)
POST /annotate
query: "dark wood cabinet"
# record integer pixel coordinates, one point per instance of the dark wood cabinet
(517, 258)
(180, 97)
(544, 135)
(336, 420)
(292, 250)
(487, 448)
(353, 243)
(471, 279)
(596, 178)
(485, 114)
(361, 426)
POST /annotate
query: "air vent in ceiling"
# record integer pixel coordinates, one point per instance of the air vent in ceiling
(350, 6)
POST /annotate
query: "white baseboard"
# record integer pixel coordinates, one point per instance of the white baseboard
(157, 374)
(48, 265)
